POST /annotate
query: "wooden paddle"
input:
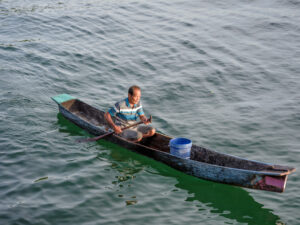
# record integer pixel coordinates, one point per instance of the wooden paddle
(110, 133)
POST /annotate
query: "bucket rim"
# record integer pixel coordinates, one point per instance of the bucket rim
(188, 141)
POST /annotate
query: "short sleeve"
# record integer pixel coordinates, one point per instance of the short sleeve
(113, 110)
(140, 111)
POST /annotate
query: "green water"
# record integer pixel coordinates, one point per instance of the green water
(225, 75)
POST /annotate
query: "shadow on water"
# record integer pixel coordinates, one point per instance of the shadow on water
(231, 202)
(228, 201)
(65, 126)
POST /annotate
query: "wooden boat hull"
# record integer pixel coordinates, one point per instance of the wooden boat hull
(203, 163)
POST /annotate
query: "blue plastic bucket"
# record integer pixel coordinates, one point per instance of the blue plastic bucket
(181, 147)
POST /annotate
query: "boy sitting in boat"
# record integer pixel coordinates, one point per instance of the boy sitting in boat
(126, 113)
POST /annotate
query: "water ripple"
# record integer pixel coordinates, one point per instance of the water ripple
(222, 74)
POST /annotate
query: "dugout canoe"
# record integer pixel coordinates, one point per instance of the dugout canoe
(203, 163)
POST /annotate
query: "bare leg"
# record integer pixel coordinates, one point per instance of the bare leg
(137, 140)
(150, 133)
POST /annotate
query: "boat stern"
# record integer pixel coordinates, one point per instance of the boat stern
(270, 183)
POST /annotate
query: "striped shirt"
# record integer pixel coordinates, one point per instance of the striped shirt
(123, 110)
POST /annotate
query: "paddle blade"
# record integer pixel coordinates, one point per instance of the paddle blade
(82, 140)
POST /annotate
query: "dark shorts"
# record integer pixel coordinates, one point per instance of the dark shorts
(136, 133)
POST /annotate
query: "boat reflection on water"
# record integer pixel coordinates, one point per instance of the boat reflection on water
(65, 126)
(230, 202)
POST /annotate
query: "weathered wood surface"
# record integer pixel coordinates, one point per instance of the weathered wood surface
(204, 163)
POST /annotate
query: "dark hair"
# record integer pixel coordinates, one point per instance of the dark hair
(132, 88)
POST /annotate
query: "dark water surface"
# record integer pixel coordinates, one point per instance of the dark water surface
(224, 74)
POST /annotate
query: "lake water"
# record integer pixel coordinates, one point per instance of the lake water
(223, 74)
